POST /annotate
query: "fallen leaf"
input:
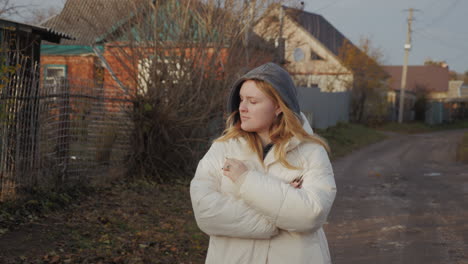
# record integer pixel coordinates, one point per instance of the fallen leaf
(55, 259)
(142, 245)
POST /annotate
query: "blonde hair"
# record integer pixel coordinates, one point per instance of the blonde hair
(285, 126)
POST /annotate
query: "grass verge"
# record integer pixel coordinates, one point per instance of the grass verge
(136, 222)
(462, 151)
(420, 127)
(36, 203)
(346, 137)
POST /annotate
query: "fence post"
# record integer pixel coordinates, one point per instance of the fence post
(63, 144)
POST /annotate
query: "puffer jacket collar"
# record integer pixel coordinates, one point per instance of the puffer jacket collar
(292, 143)
(270, 158)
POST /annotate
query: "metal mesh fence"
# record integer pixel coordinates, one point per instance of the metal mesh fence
(58, 131)
(18, 124)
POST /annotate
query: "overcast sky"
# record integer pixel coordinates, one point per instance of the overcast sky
(440, 28)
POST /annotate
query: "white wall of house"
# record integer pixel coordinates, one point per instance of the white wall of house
(464, 90)
(309, 61)
(454, 89)
(438, 95)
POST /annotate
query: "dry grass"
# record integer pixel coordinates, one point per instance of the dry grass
(420, 127)
(462, 151)
(140, 222)
(346, 137)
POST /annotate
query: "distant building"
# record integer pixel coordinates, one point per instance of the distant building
(311, 47)
(446, 100)
(457, 90)
(432, 80)
(100, 51)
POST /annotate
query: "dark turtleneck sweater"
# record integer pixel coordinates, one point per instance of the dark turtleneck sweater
(266, 149)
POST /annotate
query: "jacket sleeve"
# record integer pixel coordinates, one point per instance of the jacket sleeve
(298, 210)
(221, 214)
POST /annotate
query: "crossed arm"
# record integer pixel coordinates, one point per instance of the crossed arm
(221, 214)
(266, 204)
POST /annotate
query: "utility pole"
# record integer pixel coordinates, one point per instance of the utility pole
(405, 67)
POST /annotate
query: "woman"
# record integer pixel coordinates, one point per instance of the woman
(264, 189)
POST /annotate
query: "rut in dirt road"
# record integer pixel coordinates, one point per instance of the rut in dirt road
(403, 200)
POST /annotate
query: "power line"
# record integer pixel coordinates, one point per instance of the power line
(442, 42)
(441, 15)
(462, 37)
(328, 5)
(431, 4)
(458, 57)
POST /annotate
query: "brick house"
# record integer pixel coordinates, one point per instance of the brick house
(101, 51)
(76, 60)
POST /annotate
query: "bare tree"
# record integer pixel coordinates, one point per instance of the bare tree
(8, 8)
(176, 61)
(39, 15)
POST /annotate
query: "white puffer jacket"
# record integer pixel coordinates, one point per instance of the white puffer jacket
(264, 220)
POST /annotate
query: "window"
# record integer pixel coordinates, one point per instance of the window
(314, 56)
(298, 54)
(54, 78)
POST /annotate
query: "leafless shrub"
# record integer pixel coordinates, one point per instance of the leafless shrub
(176, 60)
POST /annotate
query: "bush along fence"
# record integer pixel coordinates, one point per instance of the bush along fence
(324, 109)
(57, 132)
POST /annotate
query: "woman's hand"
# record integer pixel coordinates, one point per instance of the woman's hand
(297, 183)
(233, 169)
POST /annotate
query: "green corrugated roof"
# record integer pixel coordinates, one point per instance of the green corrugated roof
(67, 49)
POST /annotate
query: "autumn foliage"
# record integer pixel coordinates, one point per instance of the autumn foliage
(368, 86)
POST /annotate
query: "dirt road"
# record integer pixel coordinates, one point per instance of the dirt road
(403, 200)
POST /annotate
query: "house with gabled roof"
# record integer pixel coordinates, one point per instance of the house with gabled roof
(100, 35)
(464, 90)
(458, 90)
(430, 79)
(311, 44)
(87, 20)
(422, 81)
(457, 100)
(433, 83)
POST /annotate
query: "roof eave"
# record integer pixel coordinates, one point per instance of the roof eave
(46, 33)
